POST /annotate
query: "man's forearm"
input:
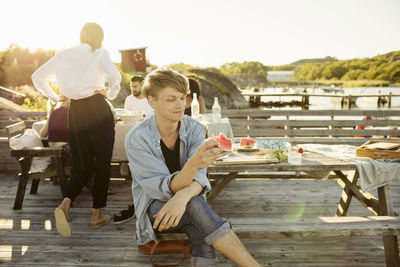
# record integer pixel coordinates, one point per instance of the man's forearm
(193, 189)
(184, 177)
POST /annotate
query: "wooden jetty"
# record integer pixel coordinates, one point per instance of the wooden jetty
(347, 100)
(28, 236)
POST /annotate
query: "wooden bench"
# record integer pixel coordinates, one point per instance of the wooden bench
(24, 158)
(10, 117)
(315, 126)
(259, 228)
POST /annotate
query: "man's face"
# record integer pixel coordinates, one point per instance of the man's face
(170, 104)
(136, 88)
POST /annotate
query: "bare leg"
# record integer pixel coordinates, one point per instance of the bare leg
(232, 247)
(98, 218)
(65, 205)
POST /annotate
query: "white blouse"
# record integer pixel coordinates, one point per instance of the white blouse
(79, 71)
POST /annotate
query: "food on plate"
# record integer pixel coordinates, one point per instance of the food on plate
(300, 150)
(247, 142)
(273, 144)
(281, 155)
(224, 142)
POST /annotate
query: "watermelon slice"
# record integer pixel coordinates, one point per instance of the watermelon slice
(247, 142)
(224, 142)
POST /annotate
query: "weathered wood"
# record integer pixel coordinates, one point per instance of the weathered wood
(38, 152)
(22, 115)
(367, 199)
(260, 123)
(316, 227)
(390, 241)
(221, 185)
(260, 113)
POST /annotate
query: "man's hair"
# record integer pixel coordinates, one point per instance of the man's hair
(161, 78)
(194, 87)
(92, 34)
(137, 78)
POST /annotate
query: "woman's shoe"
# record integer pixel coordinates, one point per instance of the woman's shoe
(103, 221)
(62, 224)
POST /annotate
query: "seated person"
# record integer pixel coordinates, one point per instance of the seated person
(136, 101)
(168, 159)
(56, 130)
(56, 127)
(194, 87)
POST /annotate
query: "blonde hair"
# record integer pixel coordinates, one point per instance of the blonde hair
(159, 79)
(92, 34)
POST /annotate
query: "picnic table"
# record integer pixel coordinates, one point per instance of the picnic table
(225, 172)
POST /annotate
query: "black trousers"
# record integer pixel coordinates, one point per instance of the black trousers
(91, 129)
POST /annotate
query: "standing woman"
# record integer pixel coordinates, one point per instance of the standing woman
(81, 73)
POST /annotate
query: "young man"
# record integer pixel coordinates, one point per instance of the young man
(168, 159)
(136, 101)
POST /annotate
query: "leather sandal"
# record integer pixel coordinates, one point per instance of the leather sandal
(100, 223)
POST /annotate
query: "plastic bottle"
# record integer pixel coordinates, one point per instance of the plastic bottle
(216, 110)
(195, 106)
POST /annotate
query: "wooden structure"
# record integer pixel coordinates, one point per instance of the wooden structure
(8, 118)
(347, 100)
(133, 59)
(25, 156)
(383, 206)
(315, 126)
(292, 211)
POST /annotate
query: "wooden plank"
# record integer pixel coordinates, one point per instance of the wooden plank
(267, 113)
(317, 132)
(367, 199)
(390, 241)
(260, 123)
(316, 227)
(22, 115)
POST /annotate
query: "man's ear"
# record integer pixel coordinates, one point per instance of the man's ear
(152, 101)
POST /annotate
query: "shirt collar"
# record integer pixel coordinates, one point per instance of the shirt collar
(156, 132)
(84, 45)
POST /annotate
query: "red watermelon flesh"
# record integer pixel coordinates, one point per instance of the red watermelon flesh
(247, 142)
(224, 142)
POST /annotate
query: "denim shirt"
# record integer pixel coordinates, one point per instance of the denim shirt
(151, 177)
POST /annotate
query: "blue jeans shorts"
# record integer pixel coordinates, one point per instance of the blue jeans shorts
(203, 227)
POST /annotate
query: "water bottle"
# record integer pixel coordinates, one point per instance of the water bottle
(195, 107)
(216, 110)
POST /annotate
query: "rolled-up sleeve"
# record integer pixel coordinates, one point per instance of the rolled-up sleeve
(149, 172)
(196, 141)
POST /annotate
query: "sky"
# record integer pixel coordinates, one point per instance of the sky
(209, 33)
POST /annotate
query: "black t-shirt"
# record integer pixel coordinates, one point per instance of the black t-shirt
(172, 157)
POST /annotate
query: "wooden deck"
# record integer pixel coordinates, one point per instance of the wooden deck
(28, 236)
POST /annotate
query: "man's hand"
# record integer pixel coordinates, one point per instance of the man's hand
(101, 91)
(207, 154)
(171, 214)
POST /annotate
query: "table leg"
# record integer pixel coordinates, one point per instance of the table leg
(390, 242)
(62, 179)
(219, 186)
(347, 193)
(25, 164)
(350, 190)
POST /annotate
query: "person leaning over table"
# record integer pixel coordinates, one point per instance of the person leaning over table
(81, 73)
(168, 159)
